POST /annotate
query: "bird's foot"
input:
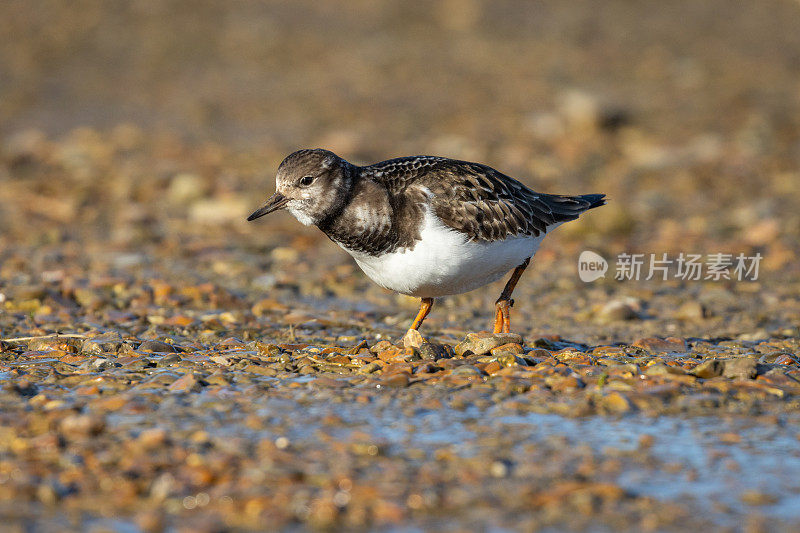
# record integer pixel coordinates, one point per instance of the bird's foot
(502, 317)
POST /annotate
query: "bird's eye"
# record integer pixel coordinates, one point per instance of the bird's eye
(305, 181)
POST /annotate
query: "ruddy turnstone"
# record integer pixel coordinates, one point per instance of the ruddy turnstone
(424, 226)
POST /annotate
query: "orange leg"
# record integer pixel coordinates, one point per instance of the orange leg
(502, 317)
(425, 306)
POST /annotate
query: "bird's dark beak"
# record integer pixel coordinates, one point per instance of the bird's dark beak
(275, 202)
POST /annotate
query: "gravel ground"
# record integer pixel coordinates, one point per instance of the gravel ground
(165, 365)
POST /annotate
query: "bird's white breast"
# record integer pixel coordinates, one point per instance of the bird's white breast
(445, 262)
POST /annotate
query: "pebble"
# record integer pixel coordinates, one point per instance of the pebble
(615, 402)
(740, 368)
(47, 344)
(413, 339)
(152, 438)
(108, 343)
(369, 368)
(661, 369)
(756, 497)
(431, 351)
(483, 343)
(186, 383)
(658, 345)
(82, 425)
(617, 310)
(710, 368)
(467, 370)
(396, 380)
(692, 311)
(156, 346)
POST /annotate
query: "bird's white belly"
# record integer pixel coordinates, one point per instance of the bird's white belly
(444, 262)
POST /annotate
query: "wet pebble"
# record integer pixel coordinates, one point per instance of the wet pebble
(429, 351)
(156, 346)
(740, 368)
(658, 345)
(483, 343)
(709, 368)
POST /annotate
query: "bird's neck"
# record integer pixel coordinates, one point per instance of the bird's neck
(343, 196)
(365, 221)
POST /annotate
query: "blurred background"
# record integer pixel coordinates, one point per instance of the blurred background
(138, 134)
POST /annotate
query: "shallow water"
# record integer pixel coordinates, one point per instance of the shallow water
(686, 460)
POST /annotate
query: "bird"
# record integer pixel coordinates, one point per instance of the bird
(424, 226)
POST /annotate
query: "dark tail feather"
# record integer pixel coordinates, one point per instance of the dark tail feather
(595, 200)
(561, 208)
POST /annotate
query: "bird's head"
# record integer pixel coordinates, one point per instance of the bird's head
(312, 184)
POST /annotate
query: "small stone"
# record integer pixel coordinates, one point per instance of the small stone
(72, 359)
(499, 469)
(157, 347)
(381, 346)
(511, 347)
(547, 342)
(506, 359)
(151, 521)
(369, 368)
(660, 369)
(47, 344)
(102, 344)
(657, 345)
(559, 383)
(755, 497)
(100, 364)
(185, 383)
(616, 402)
(413, 339)
(573, 357)
(646, 441)
(168, 360)
(580, 109)
(730, 438)
(740, 368)
(431, 351)
(466, 370)
(539, 353)
(285, 253)
(152, 438)
(263, 349)
(396, 380)
(710, 368)
(392, 353)
(261, 370)
(220, 379)
(87, 298)
(219, 210)
(618, 310)
(608, 351)
(482, 343)
(185, 187)
(82, 425)
(691, 312)
(357, 348)
(494, 367)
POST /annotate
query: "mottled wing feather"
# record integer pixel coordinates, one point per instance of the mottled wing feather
(398, 173)
(477, 200)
